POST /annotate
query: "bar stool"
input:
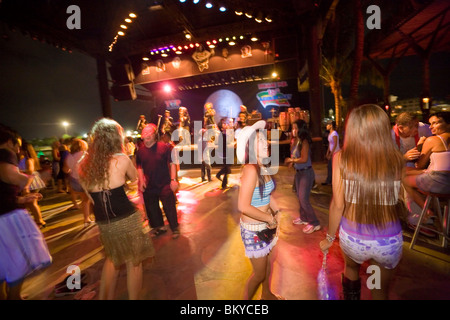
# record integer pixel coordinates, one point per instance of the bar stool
(444, 220)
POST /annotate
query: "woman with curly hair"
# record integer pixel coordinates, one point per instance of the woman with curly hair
(103, 172)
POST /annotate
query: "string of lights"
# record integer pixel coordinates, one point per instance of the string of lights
(178, 49)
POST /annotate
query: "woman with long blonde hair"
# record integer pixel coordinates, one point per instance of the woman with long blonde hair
(366, 206)
(103, 172)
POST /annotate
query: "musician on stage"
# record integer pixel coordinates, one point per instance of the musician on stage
(141, 123)
(167, 126)
(208, 119)
(184, 126)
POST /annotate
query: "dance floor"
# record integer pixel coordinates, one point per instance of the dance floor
(207, 261)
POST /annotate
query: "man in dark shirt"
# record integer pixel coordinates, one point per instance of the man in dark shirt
(157, 180)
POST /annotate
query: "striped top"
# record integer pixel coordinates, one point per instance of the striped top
(257, 200)
(352, 188)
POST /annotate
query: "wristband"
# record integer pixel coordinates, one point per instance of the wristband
(330, 238)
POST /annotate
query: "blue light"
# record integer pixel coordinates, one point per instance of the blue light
(222, 9)
(196, 1)
(182, 1)
(209, 5)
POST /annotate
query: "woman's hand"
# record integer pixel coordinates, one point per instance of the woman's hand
(272, 224)
(325, 245)
(289, 162)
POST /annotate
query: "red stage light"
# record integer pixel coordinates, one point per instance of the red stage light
(167, 88)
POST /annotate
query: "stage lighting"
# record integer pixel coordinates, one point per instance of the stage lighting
(208, 5)
(167, 88)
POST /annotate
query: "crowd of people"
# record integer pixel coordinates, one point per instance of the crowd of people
(371, 172)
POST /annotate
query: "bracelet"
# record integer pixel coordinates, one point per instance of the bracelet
(274, 221)
(330, 238)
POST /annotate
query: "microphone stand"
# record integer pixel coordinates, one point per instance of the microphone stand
(157, 126)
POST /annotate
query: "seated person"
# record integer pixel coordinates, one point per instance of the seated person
(434, 177)
(406, 134)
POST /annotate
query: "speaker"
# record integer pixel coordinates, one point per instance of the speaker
(121, 74)
(126, 92)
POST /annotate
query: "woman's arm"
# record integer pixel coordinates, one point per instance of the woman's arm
(304, 154)
(10, 174)
(337, 204)
(29, 166)
(132, 173)
(248, 184)
(427, 150)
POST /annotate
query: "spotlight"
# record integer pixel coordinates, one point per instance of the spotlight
(249, 15)
(254, 38)
(182, 1)
(132, 15)
(231, 43)
(123, 26)
(196, 1)
(121, 33)
(128, 20)
(222, 8)
(167, 88)
(239, 12)
(208, 5)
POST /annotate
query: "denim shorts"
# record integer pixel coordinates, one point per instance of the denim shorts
(255, 247)
(386, 251)
(434, 181)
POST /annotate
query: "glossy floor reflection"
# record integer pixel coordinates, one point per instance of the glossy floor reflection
(207, 261)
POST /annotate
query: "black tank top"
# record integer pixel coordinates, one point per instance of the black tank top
(111, 204)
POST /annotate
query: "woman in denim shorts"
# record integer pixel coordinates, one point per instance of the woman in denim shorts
(258, 209)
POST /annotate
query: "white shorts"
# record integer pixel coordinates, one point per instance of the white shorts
(386, 251)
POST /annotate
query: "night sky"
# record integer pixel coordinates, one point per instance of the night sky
(42, 86)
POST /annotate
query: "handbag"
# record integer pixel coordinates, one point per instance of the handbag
(266, 235)
(37, 182)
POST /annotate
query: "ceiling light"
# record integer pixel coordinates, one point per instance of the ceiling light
(238, 13)
(123, 26)
(128, 20)
(254, 38)
(209, 5)
(178, 52)
(164, 55)
(248, 15)
(121, 33)
(132, 15)
(222, 9)
(196, 1)
(188, 36)
(268, 19)
(182, 1)
(231, 43)
(145, 58)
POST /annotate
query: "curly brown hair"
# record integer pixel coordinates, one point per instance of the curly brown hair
(106, 139)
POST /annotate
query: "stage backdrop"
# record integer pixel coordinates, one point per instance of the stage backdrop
(259, 96)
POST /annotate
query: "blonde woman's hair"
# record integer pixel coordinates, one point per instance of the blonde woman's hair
(106, 140)
(373, 165)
